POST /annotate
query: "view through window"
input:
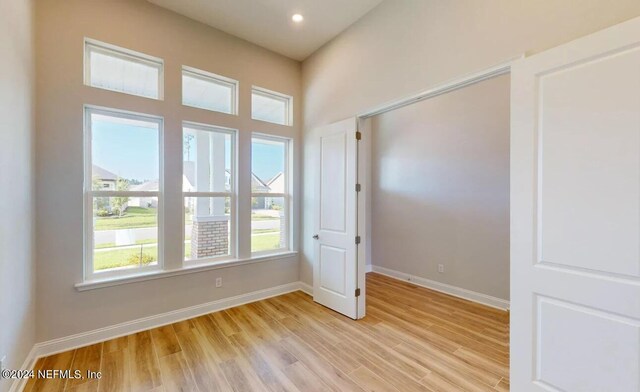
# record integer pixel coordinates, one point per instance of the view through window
(269, 194)
(123, 191)
(208, 189)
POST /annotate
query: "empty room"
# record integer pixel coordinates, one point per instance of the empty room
(301, 195)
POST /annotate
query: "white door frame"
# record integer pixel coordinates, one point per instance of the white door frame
(364, 159)
(364, 153)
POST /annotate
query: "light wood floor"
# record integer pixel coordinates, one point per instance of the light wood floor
(412, 339)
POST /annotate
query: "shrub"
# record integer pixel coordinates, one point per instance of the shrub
(102, 213)
(146, 259)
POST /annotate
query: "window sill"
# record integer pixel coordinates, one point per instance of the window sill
(120, 280)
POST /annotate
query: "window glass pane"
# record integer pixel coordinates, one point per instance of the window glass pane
(122, 72)
(269, 107)
(124, 149)
(207, 92)
(267, 166)
(207, 227)
(268, 214)
(125, 232)
(207, 157)
(268, 224)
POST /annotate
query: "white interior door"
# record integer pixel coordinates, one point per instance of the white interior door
(575, 207)
(335, 274)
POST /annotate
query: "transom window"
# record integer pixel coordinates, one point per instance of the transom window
(209, 91)
(270, 195)
(271, 106)
(208, 185)
(123, 192)
(117, 69)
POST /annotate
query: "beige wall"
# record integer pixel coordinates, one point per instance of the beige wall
(140, 26)
(405, 46)
(17, 267)
(440, 188)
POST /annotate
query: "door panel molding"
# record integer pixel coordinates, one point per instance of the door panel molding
(575, 215)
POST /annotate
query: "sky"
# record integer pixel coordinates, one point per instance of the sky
(130, 150)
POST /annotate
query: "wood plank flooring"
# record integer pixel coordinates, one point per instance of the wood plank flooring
(413, 339)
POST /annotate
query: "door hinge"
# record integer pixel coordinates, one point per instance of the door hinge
(358, 135)
(357, 292)
(357, 240)
(358, 187)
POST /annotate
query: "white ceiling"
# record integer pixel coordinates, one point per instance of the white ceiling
(268, 22)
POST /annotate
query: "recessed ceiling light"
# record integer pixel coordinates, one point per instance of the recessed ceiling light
(297, 18)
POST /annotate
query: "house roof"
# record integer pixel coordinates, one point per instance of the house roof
(257, 183)
(272, 179)
(148, 186)
(103, 174)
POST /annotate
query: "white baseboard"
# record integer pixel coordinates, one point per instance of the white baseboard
(29, 363)
(459, 292)
(86, 338)
(368, 268)
(305, 288)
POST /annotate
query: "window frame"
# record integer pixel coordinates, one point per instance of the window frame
(89, 194)
(124, 54)
(215, 78)
(288, 99)
(287, 196)
(231, 194)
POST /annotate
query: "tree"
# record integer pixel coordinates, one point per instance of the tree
(119, 203)
(188, 138)
(100, 203)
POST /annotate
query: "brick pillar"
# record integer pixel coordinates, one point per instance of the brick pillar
(209, 237)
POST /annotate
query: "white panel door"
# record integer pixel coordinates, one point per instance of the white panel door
(335, 274)
(575, 215)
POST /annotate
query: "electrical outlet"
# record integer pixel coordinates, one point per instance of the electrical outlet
(218, 282)
(440, 268)
(3, 363)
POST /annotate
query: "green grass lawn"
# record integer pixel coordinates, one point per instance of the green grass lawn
(134, 217)
(258, 217)
(263, 231)
(120, 257)
(265, 242)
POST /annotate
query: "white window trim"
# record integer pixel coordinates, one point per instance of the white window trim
(211, 77)
(120, 280)
(125, 54)
(89, 194)
(288, 204)
(231, 194)
(288, 99)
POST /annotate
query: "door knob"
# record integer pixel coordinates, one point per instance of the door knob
(315, 237)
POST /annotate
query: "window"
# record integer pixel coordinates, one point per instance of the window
(123, 193)
(209, 192)
(117, 69)
(209, 91)
(271, 106)
(269, 194)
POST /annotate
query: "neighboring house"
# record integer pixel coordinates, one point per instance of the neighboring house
(276, 185)
(103, 180)
(145, 202)
(106, 180)
(257, 184)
